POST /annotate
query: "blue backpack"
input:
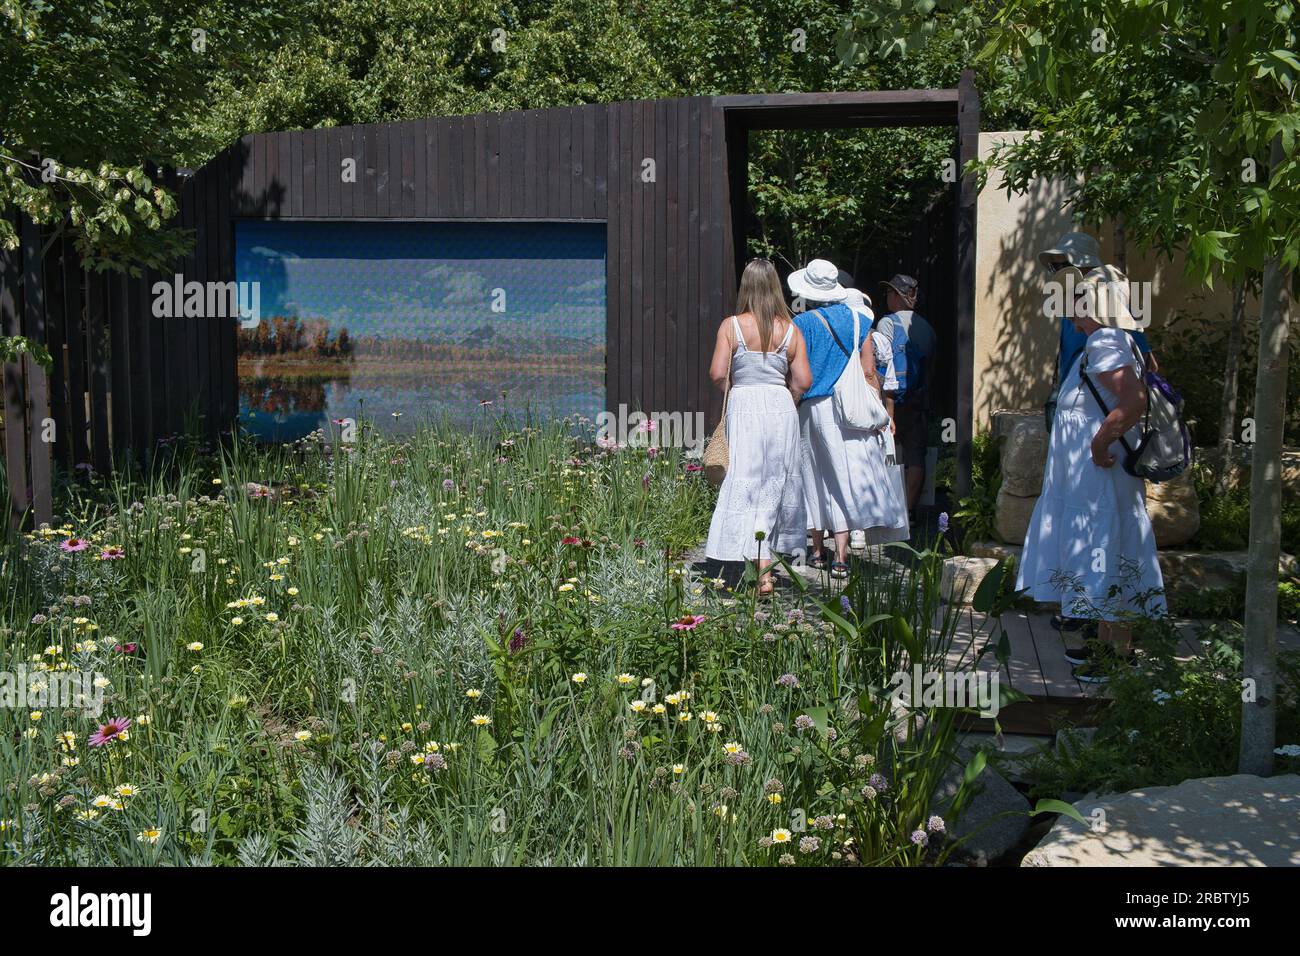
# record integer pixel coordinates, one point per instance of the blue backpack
(909, 363)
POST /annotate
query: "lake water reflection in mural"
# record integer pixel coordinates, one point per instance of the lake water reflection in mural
(406, 321)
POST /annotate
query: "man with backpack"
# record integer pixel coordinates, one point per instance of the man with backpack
(914, 343)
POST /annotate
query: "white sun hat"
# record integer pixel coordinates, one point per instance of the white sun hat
(860, 303)
(818, 281)
(1077, 248)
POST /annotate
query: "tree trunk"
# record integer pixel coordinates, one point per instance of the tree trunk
(1259, 661)
(1228, 424)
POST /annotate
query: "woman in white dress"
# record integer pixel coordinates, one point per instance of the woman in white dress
(1090, 546)
(846, 483)
(896, 492)
(760, 504)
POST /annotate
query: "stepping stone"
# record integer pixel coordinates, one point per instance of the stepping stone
(1242, 820)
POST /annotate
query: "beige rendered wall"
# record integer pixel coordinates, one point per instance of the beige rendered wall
(1015, 344)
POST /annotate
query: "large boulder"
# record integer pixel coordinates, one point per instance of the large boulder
(995, 820)
(1174, 509)
(961, 577)
(1242, 820)
(1024, 456)
(1011, 519)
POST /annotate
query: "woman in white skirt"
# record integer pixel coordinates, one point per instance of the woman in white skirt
(1090, 546)
(760, 505)
(846, 483)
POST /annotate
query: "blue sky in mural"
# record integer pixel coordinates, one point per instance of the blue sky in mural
(414, 279)
(417, 300)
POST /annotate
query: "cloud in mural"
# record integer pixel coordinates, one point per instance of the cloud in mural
(266, 252)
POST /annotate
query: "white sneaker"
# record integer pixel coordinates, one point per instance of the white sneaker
(858, 540)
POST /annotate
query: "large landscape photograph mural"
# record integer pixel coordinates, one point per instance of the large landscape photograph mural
(411, 321)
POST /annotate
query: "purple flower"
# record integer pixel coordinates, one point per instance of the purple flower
(936, 825)
(787, 680)
(920, 838)
(518, 641)
(809, 844)
(645, 481)
(845, 606)
(877, 783)
(73, 545)
(448, 485)
(943, 522)
(804, 722)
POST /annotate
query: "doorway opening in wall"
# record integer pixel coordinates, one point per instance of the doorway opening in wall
(407, 322)
(872, 183)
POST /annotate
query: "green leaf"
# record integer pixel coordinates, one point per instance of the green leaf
(1058, 806)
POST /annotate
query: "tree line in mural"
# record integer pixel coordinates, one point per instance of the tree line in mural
(286, 335)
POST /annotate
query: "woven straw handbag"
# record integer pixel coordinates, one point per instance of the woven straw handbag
(715, 453)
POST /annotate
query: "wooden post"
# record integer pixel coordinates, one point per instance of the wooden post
(968, 129)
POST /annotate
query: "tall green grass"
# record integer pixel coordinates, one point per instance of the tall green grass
(316, 626)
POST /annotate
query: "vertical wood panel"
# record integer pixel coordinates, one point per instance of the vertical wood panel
(38, 386)
(387, 170)
(349, 192)
(708, 312)
(521, 172)
(492, 164)
(563, 163)
(228, 408)
(307, 206)
(482, 172)
(968, 127)
(339, 148)
(419, 148)
(57, 313)
(613, 272)
(530, 164)
(15, 396)
(370, 134)
(637, 242)
(664, 316)
(294, 177)
(74, 332)
(469, 173)
(139, 359)
(119, 366)
(97, 348)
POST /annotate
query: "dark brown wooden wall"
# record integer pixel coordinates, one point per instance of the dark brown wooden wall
(667, 247)
(124, 379)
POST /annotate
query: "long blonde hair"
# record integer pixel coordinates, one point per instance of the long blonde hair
(760, 295)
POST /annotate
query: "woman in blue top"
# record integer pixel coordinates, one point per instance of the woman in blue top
(846, 484)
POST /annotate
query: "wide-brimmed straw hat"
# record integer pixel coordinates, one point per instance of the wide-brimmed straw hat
(1077, 248)
(1103, 296)
(818, 281)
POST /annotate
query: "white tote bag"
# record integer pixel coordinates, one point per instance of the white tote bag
(856, 403)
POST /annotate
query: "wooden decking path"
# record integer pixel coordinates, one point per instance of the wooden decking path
(1037, 665)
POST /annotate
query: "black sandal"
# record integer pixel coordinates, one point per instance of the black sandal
(839, 570)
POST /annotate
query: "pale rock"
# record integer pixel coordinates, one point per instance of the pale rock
(1241, 820)
(1174, 509)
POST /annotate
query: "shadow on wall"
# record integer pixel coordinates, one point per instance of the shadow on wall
(1015, 343)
